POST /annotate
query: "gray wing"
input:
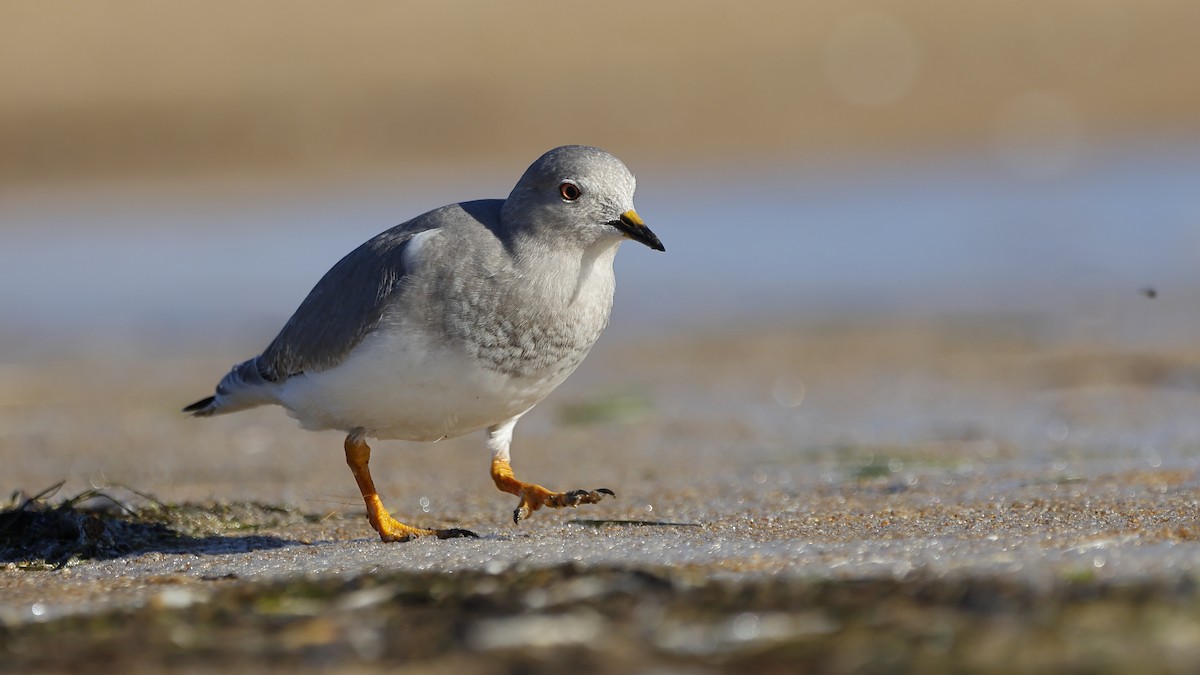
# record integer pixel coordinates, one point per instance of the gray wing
(344, 306)
(348, 302)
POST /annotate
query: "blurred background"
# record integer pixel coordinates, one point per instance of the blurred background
(886, 222)
(922, 257)
(187, 170)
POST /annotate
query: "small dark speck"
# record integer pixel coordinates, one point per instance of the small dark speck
(1150, 293)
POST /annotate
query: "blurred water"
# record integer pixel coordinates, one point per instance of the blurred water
(752, 243)
(960, 235)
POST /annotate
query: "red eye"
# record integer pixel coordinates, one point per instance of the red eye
(569, 191)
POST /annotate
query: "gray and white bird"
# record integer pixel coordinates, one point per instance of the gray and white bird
(460, 319)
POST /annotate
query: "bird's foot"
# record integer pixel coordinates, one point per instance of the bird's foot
(390, 529)
(534, 497)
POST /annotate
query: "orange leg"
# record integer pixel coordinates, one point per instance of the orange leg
(534, 497)
(358, 454)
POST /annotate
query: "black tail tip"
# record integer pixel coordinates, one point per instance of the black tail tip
(200, 408)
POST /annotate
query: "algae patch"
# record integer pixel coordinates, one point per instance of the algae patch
(39, 533)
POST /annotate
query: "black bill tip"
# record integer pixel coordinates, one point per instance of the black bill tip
(631, 225)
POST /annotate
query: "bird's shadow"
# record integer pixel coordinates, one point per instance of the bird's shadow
(37, 534)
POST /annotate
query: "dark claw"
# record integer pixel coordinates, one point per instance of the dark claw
(577, 497)
(454, 533)
(517, 516)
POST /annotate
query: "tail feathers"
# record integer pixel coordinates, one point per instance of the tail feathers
(244, 387)
(202, 408)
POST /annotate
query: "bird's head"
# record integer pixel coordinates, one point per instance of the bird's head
(579, 192)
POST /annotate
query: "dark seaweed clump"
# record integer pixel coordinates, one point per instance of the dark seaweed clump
(38, 533)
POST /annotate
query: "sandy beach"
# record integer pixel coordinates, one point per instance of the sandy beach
(974, 475)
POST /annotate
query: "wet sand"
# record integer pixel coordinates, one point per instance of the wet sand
(869, 495)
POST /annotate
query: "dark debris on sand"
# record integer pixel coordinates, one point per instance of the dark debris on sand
(38, 533)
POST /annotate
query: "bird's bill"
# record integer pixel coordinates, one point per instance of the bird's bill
(632, 226)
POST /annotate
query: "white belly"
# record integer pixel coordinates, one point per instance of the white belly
(402, 385)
